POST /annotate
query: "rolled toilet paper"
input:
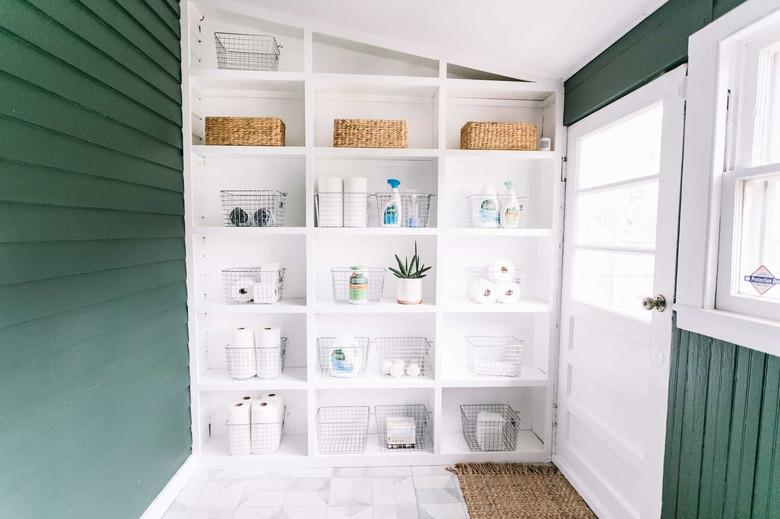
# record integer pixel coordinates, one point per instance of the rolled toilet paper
(483, 291)
(501, 270)
(241, 362)
(330, 201)
(239, 413)
(239, 429)
(269, 337)
(242, 338)
(265, 412)
(330, 185)
(508, 292)
(238, 217)
(356, 185)
(269, 352)
(397, 371)
(387, 365)
(275, 399)
(355, 209)
(264, 217)
(241, 290)
(413, 369)
(265, 293)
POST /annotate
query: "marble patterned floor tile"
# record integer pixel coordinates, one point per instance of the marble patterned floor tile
(236, 473)
(271, 484)
(312, 512)
(393, 491)
(180, 511)
(191, 491)
(430, 470)
(225, 493)
(262, 499)
(350, 491)
(314, 472)
(311, 484)
(396, 512)
(369, 472)
(306, 498)
(273, 473)
(443, 511)
(350, 512)
(258, 513)
(438, 495)
(444, 481)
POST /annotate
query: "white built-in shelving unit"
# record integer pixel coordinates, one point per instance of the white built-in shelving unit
(321, 77)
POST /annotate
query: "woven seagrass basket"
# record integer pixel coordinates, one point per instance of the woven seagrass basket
(369, 133)
(498, 136)
(245, 131)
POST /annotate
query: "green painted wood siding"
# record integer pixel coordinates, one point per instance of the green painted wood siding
(94, 382)
(723, 431)
(656, 45)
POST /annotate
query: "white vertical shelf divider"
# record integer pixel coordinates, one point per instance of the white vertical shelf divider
(206, 400)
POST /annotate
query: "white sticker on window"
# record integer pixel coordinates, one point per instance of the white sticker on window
(762, 280)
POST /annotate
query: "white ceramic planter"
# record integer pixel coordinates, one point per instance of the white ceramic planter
(408, 291)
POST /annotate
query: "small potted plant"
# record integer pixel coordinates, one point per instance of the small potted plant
(408, 289)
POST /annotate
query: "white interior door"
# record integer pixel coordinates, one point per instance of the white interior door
(620, 242)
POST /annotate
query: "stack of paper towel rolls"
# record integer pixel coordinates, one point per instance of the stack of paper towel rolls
(355, 202)
(330, 211)
(240, 353)
(500, 284)
(268, 352)
(239, 439)
(267, 417)
(253, 352)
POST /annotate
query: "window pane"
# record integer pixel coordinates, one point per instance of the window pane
(618, 217)
(759, 247)
(766, 145)
(617, 281)
(629, 149)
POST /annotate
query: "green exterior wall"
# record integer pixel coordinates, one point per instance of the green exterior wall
(94, 383)
(723, 431)
(656, 45)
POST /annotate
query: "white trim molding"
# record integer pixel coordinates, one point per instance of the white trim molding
(702, 185)
(171, 490)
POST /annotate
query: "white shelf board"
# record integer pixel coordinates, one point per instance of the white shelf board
(218, 380)
(469, 231)
(384, 307)
(374, 447)
(500, 154)
(529, 448)
(373, 381)
(285, 306)
(490, 89)
(376, 231)
(243, 232)
(207, 151)
(376, 153)
(527, 306)
(215, 452)
(460, 376)
(246, 79)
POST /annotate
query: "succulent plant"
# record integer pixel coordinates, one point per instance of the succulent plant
(410, 269)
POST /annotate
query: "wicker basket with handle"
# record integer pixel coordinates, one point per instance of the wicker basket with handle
(498, 136)
(369, 133)
(245, 131)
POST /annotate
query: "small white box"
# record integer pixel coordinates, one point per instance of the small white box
(400, 432)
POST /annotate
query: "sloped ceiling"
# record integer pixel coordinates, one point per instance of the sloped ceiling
(551, 38)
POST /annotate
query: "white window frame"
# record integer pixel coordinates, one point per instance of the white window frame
(711, 172)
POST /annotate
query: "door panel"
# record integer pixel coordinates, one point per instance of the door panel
(622, 202)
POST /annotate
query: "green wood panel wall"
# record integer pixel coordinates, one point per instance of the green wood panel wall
(656, 45)
(94, 382)
(723, 431)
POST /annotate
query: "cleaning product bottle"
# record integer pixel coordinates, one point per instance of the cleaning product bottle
(510, 209)
(391, 214)
(487, 210)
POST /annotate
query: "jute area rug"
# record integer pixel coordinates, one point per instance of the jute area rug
(497, 490)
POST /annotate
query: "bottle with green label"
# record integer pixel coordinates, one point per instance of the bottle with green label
(358, 286)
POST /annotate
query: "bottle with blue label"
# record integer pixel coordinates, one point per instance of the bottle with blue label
(391, 213)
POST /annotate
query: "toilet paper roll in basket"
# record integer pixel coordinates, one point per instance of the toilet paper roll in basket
(268, 337)
(275, 400)
(242, 338)
(330, 202)
(501, 270)
(239, 429)
(265, 293)
(482, 291)
(268, 352)
(266, 428)
(241, 290)
(508, 292)
(240, 354)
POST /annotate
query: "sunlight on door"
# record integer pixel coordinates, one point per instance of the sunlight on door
(616, 206)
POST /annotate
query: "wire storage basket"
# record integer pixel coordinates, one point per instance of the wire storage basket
(495, 284)
(415, 207)
(259, 285)
(402, 427)
(270, 360)
(342, 429)
(495, 356)
(484, 210)
(404, 356)
(358, 285)
(247, 51)
(342, 357)
(253, 208)
(267, 430)
(490, 427)
(341, 209)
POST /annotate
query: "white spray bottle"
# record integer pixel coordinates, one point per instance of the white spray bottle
(391, 213)
(510, 210)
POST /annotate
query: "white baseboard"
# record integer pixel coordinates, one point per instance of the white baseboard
(168, 494)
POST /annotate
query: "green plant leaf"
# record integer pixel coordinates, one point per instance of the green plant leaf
(396, 273)
(400, 265)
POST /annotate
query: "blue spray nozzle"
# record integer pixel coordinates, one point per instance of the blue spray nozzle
(394, 183)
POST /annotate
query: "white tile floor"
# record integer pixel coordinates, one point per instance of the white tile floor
(327, 493)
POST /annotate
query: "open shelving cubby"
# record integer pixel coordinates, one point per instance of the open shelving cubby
(323, 76)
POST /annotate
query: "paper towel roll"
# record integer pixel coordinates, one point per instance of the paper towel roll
(276, 400)
(242, 338)
(239, 413)
(265, 412)
(508, 292)
(241, 290)
(356, 185)
(355, 209)
(265, 293)
(330, 202)
(268, 337)
(501, 270)
(482, 291)
(241, 362)
(330, 185)
(270, 267)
